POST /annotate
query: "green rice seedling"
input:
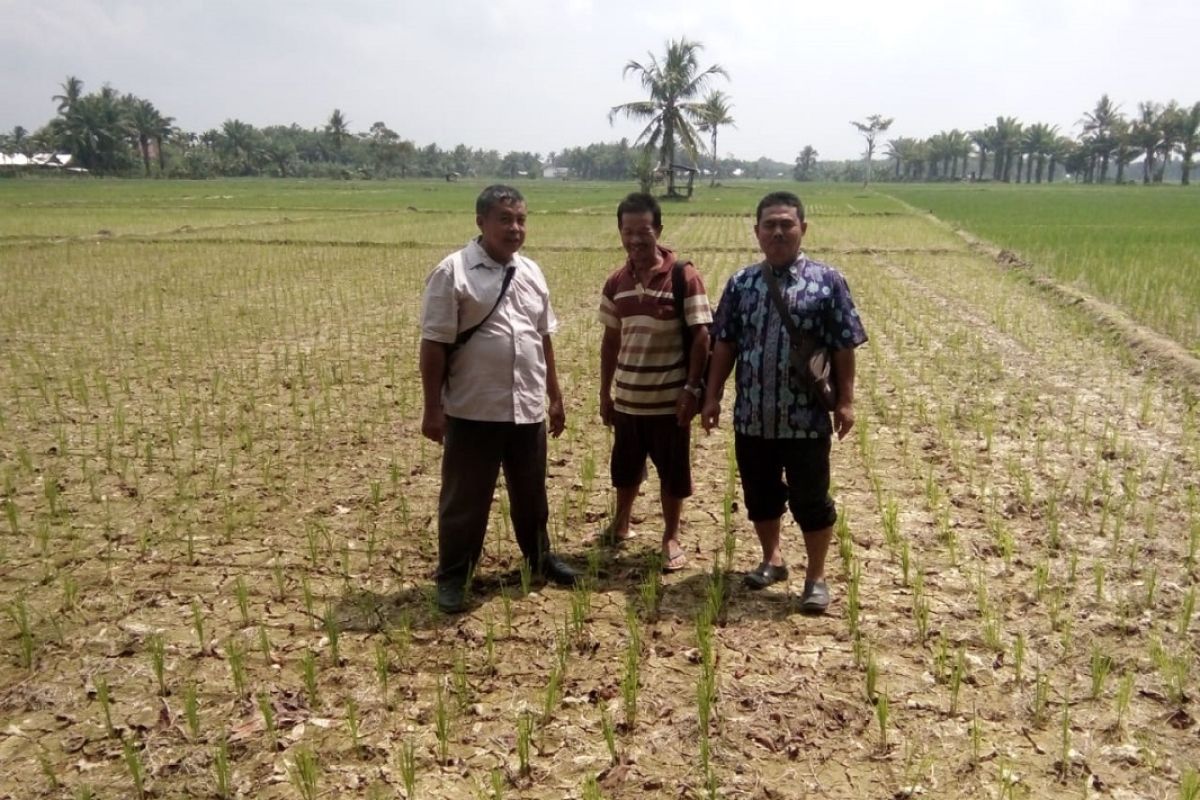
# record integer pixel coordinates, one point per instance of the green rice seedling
(267, 709)
(198, 625)
(891, 523)
(1041, 575)
(976, 736)
(610, 734)
(133, 765)
(1065, 742)
(957, 673)
(305, 773)
(460, 683)
(48, 771)
(236, 657)
(191, 709)
(408, 770)
(264, 644)
(222, 785)
(553, 695)
(882, 716)
(309, 602)
(581, 606)
(1186, 611)
(1098, 580)
(70, 593)
(333, 633)
(630, 685)
(18, 611)
(1189, 784)
(158, 658)
(905, 562)
(441, 717)
(1041, 696)
(489, 645)
(243, 601)
(845, 542)
(497, 785)
(872, 676)
(10, 513)
(650, 589)
(51, 490)
(992, 631)
(590, 789)
(506, 605)
(383, 669)
(1100, 665)
(524, 735)
(710, 776)
(526, 577)
(921, 616)
(308, 672)
(1151, 586)
(352, 724)
(102, 697)
(1124, 696)
(277, 577)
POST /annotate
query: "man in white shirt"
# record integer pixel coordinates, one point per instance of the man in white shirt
(487, 370)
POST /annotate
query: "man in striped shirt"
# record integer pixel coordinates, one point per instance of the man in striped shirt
(649, 382)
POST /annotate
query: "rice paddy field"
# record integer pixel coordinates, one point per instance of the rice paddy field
(218, 533)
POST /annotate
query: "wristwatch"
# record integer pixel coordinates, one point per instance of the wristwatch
(694, 391)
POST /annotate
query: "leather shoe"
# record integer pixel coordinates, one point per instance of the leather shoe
(555, 570)
(764, 575)
(451, 598)
(815, 598)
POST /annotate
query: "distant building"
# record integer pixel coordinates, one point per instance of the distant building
(38, 161)
(555, 172)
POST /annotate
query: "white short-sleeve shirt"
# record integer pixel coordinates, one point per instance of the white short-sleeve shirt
(499, 375)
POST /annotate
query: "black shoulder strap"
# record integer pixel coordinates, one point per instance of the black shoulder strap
(464, 336)
(798, 336)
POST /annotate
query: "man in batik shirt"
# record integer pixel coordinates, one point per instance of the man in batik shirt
(782, 436)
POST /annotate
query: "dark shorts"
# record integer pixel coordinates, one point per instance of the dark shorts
(661, 438)
(778, 474)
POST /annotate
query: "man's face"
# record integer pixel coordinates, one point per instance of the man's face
(503, 229)
(779, 232)
(639, 237)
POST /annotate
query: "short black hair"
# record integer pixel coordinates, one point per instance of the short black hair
(494, 195)
(779, 199)
(640, 203)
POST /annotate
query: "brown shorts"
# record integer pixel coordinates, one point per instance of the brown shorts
(661, 438)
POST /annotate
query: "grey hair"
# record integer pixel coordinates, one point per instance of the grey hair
(494, 195)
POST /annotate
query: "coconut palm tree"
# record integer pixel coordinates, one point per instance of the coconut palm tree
(1189, 138)
(1008, 142)
(713, 113)
(670, 111)
(1097, 127)
(1039, 141)
(1146, 135)
(984, 139)
(72, 90)
(338, 129)
(870, 129)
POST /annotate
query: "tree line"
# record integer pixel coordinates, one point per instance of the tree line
(112, 133)
(1107, 149)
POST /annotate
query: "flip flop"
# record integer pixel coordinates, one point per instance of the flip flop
(607, 538)
(675, 563)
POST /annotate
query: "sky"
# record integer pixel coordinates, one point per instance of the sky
(541, 75)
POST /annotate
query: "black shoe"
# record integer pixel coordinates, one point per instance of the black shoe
(555, 570)
(815, 598)
(451, 598)
(764, 575)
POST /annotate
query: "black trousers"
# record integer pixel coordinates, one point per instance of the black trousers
(472, 454)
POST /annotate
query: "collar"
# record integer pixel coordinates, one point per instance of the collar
(668, 262)
(477, 256)
(792, 269)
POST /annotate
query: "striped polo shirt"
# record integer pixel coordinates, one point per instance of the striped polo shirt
(651, 365)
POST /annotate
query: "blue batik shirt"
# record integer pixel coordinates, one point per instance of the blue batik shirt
(770, 403)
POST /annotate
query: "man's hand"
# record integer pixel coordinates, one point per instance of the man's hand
(710, 415)
(433, 424)
(606, 410)
(843, 419)
(558, 418)
(686, 408)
